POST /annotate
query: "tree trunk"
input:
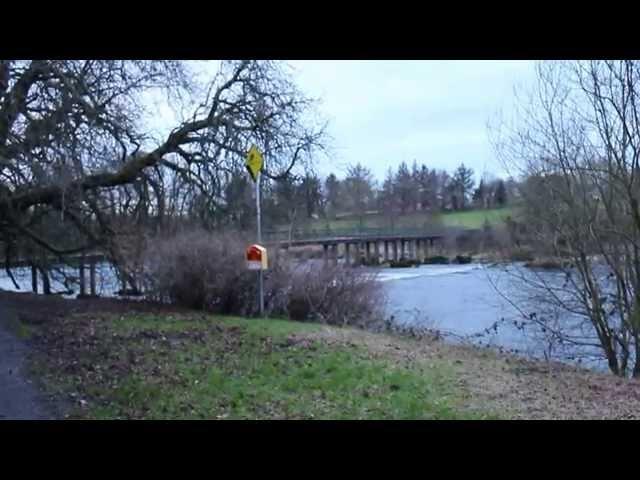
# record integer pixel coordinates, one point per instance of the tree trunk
(46, 284)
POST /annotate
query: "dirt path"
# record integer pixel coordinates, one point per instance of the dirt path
(20, 396)
(20, 399)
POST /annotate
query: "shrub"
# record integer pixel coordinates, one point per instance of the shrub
(463, 259)
(473, 240)
(196, 269)
(549, 264)
(336, 295)
(436, 260)
(404, 263)
(521, 255)
(372, 262)
(200, 270)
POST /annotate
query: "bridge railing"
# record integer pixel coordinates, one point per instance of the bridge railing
(319, 233)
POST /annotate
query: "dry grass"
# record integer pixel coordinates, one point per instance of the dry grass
(511, 386)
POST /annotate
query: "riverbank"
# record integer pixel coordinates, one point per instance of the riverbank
(109, 359)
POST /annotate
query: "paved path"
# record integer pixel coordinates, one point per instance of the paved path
(20, 399)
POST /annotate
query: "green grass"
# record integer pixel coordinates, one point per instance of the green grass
(411, 220)
(476, 218)
(197, 367)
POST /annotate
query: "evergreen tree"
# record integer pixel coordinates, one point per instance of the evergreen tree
(462, 184)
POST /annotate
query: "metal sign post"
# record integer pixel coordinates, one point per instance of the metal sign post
(260, 278)
(254, 166)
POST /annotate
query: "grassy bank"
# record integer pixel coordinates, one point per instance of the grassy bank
(154, 364)
(195, 367)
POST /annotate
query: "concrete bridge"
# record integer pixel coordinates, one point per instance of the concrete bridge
(371, 248)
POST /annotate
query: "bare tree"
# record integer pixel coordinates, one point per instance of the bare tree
(289, 200)
(578, 143)
(73, 143)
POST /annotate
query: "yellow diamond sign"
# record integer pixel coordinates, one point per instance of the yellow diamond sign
(254, 162)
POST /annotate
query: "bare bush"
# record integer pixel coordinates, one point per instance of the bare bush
(336, 295)
(199, 270)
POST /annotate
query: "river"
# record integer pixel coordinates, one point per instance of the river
(488, 306)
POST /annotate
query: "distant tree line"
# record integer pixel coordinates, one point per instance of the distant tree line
(297, 198)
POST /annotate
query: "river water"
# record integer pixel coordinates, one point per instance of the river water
(471, 303)
(489, 306)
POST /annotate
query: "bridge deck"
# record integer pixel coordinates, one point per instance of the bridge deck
(356, 239)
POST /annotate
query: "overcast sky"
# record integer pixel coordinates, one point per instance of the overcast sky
(383, 112)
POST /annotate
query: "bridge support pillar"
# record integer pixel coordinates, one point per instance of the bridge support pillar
(386, 251)
(394, 244)
(325, 249)
(347, 254)
(376, 252)
(402, 249)
(367, 252)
